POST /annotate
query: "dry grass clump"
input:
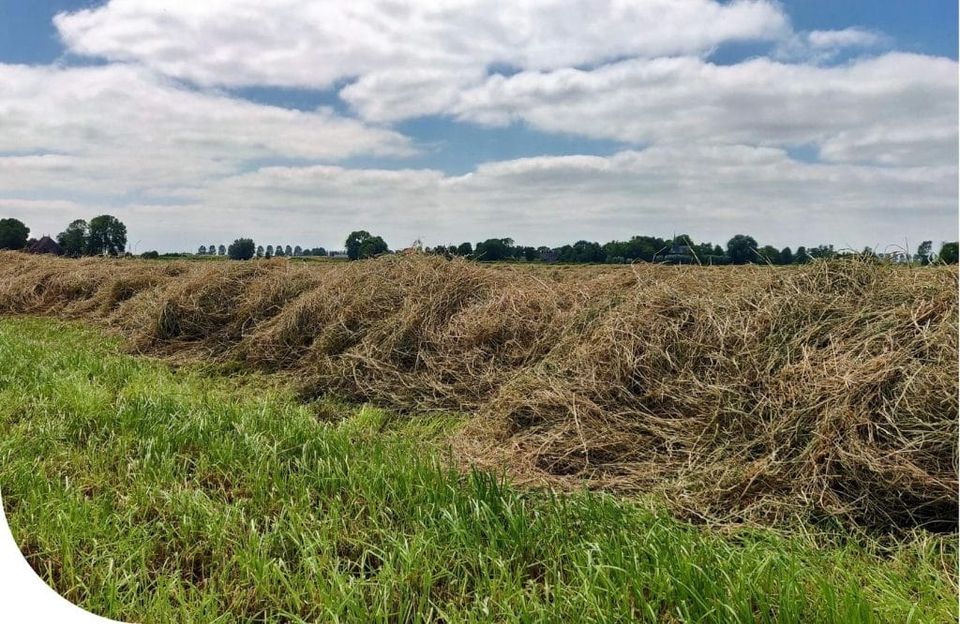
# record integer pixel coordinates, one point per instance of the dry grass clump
(738, 393)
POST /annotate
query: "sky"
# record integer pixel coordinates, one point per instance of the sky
(298, 121)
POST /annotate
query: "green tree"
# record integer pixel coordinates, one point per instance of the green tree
(202, 250)
(769, 254)
(361, 244)
(801, 257)
(288, 251)
(786, 256)
(949, 252)
(259, 251)
(242, 249)
(298, 250)
(221, 250)
(924, 251)
(107, 236)
(150, 255)
(278, 251)
(74, 239)
(464, 249)
(13, 234)
(493, 249)
(742, 249)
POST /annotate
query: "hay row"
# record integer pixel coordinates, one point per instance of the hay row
(740, 394)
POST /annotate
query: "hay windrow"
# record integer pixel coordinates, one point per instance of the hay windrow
(740, 394)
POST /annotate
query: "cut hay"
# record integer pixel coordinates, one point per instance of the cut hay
(739, 394)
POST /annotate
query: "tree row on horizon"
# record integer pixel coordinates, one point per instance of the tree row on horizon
(107, 235)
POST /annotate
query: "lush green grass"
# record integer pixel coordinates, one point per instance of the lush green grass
(148, 494)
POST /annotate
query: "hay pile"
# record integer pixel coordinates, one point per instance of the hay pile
(738, 393)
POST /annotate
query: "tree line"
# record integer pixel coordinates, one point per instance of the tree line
(104, 235)
(107, 235)
(740, 249)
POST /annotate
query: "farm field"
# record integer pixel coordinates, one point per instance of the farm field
(422, 439)
(147, 493)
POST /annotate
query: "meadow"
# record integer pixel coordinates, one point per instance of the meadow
(416, 439)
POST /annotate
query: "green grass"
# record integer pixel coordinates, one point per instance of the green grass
(144, 493)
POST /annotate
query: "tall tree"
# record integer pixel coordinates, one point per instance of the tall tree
(464, 249)
(361, 244)
(298, 250)
(269, 253)
(949, 252)
(107, 236)
(221, 250)
(769, 254)
(494, 249)
(278, 251)
(288, 251)
(202, 251)
(924, 251)
(786, 256)
(742, 249)
(259, 251)
(74, 240)
(13, 234)
(241, 249)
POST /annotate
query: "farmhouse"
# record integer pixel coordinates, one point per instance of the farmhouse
(45, 245)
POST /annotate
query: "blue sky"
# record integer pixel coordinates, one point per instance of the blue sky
(800, 122)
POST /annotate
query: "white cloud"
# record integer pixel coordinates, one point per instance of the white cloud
(304, 43)
(846, 38)
(86, 129)
(897, 108)
(710, 192)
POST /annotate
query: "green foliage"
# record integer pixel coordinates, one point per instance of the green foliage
(361, 244)
(742, 249)
(948, 253)
(786, 256)
(768, 254)
(925, 252)
(221, 250)
(13, 234)
(107, 236)
(74, 239)
(242, 249)
(149, 494)
(494, 249)
(150, 255)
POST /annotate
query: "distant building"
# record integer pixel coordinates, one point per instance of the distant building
(679, 253)
(45, 245)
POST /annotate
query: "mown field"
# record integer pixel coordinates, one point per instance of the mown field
(146, 493)
(547, 443)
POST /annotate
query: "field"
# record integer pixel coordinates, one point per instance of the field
(720, 444)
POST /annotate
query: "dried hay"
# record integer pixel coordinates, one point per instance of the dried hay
(740, 394)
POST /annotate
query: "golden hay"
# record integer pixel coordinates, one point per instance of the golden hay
(740, 394)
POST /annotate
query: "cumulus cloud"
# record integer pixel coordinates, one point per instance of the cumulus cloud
(710, 192)
(313, 44)
(90, 128)
(896, 108)
(846, 38)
